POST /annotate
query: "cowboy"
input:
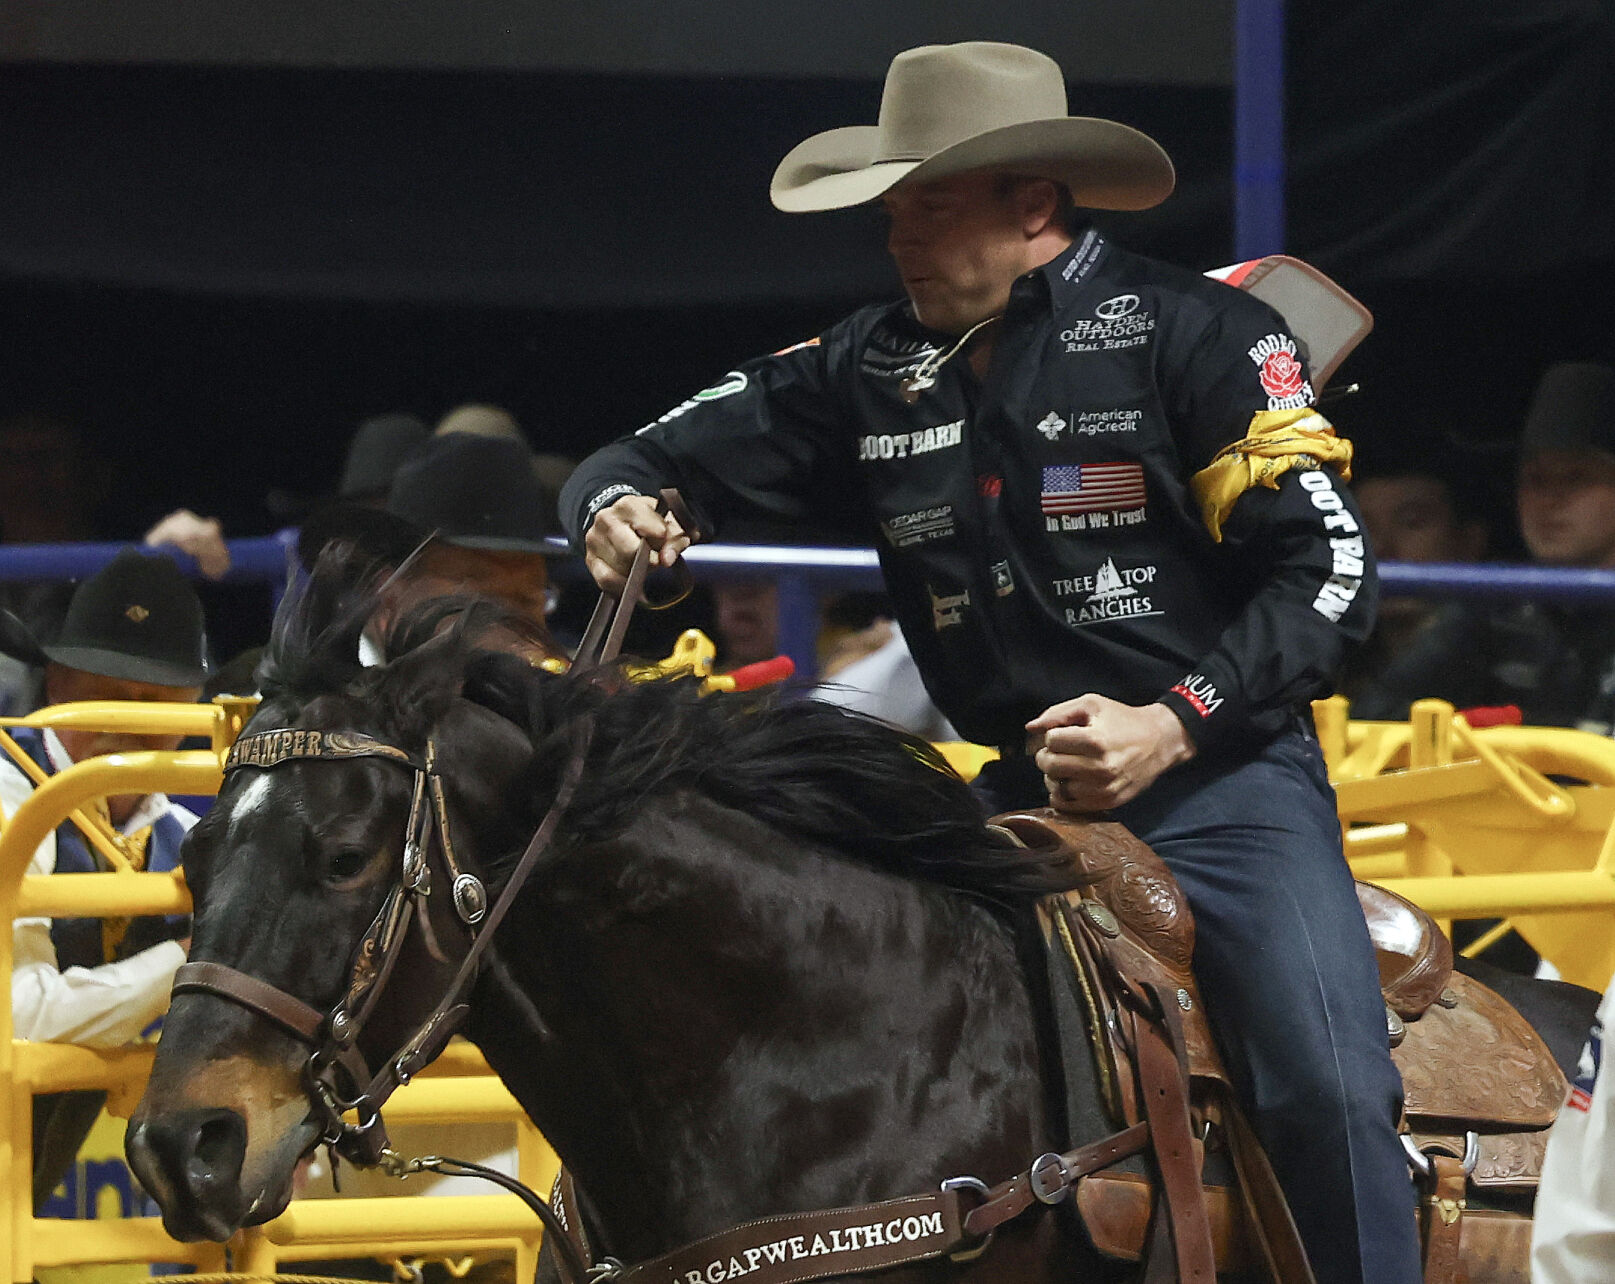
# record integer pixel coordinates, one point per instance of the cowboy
(1117, 540)
(133, 631)
(465, 514)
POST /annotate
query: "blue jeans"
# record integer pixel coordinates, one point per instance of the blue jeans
(1284, 962)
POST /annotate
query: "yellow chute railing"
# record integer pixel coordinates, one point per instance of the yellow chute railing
(458, 1088)
(1513, 823)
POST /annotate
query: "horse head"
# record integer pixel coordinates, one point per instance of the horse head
(312, 878)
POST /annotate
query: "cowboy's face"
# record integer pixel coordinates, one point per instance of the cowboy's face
(1567, 507)
(63, 685)
(517, 581)
(960, 242)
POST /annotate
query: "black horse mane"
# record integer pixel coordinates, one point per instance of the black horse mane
(817, 771)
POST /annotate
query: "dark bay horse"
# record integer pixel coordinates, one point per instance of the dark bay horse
(769, 963)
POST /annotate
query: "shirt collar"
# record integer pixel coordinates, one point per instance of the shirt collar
(1049, 285)
(1065, 274)
(150, 809)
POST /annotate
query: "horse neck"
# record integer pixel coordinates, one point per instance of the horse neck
(712, 1022)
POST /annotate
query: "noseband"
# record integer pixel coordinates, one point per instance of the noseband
(338, 1078)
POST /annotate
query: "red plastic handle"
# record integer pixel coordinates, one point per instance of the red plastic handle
(1493, 715)
(750, 676)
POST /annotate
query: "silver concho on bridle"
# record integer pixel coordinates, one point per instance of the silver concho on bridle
(470, 898)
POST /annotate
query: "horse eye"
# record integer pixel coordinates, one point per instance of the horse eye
(347, 862)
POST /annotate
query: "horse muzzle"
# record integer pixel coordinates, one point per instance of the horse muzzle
(195, 1164)
(190, 1161)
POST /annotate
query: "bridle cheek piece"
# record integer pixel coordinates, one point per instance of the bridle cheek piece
(336, 1076)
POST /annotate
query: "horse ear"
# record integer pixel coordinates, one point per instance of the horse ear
(314, 642)
(424, 682)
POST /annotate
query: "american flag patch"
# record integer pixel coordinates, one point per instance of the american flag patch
(1092, 488)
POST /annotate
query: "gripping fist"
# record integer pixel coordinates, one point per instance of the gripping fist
(1096, 753)
(616, 533)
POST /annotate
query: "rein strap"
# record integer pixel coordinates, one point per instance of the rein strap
(602, 639)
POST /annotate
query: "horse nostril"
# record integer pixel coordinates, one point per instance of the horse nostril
(219, 1146)
(190, 1162)
(194, 1150)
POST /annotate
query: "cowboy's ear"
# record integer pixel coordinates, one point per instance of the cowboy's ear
(1037, 203)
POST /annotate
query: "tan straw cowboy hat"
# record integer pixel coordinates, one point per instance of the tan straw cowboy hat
(951, 108)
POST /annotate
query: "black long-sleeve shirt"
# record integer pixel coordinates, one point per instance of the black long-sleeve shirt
(1036, 528)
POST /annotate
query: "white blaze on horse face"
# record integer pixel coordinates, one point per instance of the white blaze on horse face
(255, 797)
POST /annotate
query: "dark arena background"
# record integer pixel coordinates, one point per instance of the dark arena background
(229, 233)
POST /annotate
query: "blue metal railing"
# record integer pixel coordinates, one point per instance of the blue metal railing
(804, 575)
(263, 559)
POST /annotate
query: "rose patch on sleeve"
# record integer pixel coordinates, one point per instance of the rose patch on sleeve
(1282, 376)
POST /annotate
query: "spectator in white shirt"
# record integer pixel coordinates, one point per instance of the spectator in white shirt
(1573, 1238)
(133, 631)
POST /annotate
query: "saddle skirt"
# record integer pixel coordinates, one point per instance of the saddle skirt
(1476, 1076)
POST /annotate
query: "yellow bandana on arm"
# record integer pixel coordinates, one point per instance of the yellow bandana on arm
(1278, 440)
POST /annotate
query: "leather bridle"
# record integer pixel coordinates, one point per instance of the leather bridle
(337, 1076)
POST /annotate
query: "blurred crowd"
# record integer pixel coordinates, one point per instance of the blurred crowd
(1542, 663)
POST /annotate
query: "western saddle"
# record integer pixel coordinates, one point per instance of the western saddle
(1480, 1086)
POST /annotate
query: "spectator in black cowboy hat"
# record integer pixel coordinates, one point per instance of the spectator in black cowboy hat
(379, 447)
(1556, 662)
(495, 421)
(475, 508)
(133, 631)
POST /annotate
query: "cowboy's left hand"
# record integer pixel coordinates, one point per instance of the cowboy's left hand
(1097, 753)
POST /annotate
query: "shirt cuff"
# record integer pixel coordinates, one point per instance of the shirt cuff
(1202, 703)
(602, 498)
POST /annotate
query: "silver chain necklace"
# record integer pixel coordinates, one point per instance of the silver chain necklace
(925, 373)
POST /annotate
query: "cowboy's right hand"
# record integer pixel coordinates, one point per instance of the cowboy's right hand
(615, 536)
